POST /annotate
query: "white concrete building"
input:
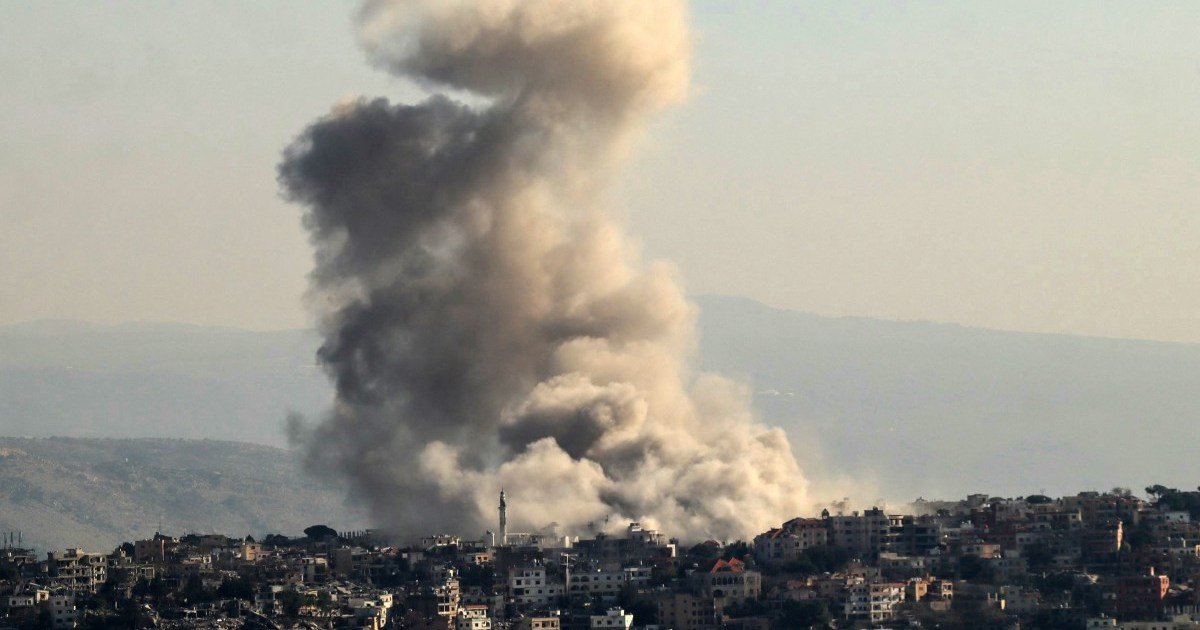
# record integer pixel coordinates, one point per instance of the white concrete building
(598, 582)
(63, 611)
(29, 598)
(529, 586)
(612, 618)
(873, 602)
(473, 617)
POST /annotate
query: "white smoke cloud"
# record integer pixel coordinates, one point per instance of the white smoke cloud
(487, 323)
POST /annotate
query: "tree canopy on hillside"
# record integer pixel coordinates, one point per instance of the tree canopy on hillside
(1174, 499)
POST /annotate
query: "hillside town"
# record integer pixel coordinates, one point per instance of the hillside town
(1093, 560)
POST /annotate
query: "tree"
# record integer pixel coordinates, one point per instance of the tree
(194, 591)
(320, 532)
(802, 566)
(644, 612)
(804, 614)
(1039, 556)
(1158, 490)
(704, 553)
(747, 608)
(1139, 537)
(972, 568)
(1173, 499)
(277, 540)
(827, 558)
(738, 549)
(291, 601)
(236, 588)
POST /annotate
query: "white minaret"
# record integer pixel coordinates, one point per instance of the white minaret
(503, 521)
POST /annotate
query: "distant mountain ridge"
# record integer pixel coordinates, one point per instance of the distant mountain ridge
(96, 493)
(156, 380)
(942, 409)
(901, 408)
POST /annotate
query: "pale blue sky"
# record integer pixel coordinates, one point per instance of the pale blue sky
(1028, 166)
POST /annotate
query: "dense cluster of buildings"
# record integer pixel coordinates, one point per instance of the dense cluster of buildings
(1093, 560)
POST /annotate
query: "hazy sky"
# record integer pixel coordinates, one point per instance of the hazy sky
(1028, 166)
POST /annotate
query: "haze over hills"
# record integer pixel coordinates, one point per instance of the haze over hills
(906, 408)
(156, 380)
(940, 410)
(97, 493)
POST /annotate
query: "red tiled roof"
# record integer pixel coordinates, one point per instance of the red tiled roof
(807, 523)
(733, 565)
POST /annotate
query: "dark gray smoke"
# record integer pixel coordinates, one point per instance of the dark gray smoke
(486, 323)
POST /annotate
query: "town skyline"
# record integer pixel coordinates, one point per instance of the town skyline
(599, 315)
(1089, 560)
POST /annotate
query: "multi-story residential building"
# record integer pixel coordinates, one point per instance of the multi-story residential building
(896, 566)
(316, 569)
(862, 534)
(812, 531)
(63, 611)
(438, 541)
(916, 589)
(913, 535)
(370, 612)
(440, 601)
(448, 598)
(77, 570)
(613, 618)
(1096, 507)
(1021, 600)
(873, 601)
(728, 581)
(1056, 517)
(539, 622)
(249, 551)
(1102, 538)
(637, 546)
(980, 549)
(1140, 596)
(28, 597)
(1007, 568)
(687, 611)
(788, 543)
(597, 582)
(529, 586)
(941, 589)
(473, 617)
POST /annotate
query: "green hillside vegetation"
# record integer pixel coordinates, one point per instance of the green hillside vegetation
(96, 493)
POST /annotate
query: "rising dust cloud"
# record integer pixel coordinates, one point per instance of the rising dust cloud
(485, 321)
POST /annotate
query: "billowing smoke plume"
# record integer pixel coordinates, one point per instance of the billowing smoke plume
(486, 322)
